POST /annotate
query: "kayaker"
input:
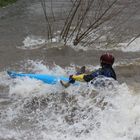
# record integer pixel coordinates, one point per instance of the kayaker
(106, 62)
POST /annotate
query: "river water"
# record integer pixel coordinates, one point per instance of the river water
(30, 109)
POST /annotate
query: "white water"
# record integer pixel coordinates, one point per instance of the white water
(129, 46)
(35, 42)
(133, 47)
(39, 111)
(32, 42)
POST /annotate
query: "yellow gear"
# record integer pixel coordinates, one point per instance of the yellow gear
(78, 77)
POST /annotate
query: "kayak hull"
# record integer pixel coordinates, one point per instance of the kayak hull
(46, 78)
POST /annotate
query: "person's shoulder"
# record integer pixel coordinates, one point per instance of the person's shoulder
(94, 71)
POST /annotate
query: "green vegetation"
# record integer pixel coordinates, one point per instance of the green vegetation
(6, 2)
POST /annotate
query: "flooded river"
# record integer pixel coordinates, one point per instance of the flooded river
(30, 109)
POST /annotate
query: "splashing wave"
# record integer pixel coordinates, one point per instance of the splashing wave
(39, 111)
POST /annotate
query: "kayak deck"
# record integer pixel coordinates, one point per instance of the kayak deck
(46, 78)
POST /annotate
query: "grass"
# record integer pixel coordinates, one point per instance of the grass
(4, 3)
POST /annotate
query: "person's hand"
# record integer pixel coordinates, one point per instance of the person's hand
(87, 78)
(71, 79)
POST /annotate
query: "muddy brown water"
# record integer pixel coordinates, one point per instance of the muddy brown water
(19, 117)
(26, 18)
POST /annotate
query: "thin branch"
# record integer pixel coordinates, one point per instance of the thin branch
(43, 4)
(133, 40)
(93, 24)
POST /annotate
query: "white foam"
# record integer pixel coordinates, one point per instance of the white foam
(109, 114)
(32, 42)
(26, 87)
(120, 122)
(133, 47)
(29, 87)
(39, 67)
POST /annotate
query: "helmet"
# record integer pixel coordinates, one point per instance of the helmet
(107, 59)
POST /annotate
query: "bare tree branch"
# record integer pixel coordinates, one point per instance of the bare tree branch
(133, 39)
(43, 4)
(93, 25)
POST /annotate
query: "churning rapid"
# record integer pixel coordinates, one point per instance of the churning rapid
(33, 110)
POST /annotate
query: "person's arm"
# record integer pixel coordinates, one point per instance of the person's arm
(91, 76)
(84, 77)
(88, 78)
(74, 78)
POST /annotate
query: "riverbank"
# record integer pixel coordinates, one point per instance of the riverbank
(4, 3)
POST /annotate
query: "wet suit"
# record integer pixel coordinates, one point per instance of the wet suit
(106, 71)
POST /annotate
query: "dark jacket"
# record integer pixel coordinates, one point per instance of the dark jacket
(106, 71)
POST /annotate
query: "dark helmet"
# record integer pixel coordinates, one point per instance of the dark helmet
(107, 59)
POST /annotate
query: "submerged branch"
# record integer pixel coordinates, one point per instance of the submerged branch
(93, 25)
(133, 39)
(43, 4)
(86, 21)
(70, 20)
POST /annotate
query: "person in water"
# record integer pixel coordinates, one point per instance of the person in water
(106, 62)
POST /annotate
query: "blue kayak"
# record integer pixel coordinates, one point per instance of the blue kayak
(46, 78)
